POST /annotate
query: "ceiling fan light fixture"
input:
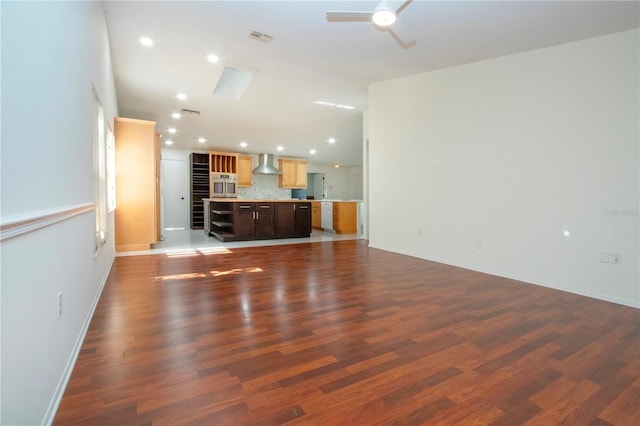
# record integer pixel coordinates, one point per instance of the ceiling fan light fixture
(383, 16)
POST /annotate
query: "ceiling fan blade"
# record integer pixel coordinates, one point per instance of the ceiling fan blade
(401, 35)
(402, 6)
(349, 16)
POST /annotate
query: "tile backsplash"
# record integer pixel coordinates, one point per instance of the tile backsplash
(264, 186)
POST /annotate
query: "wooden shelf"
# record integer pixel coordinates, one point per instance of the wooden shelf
(223, 162)
(223, 236)
(199, 187)
(222, 224)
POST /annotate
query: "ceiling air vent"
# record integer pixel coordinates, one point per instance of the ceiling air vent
(190, 112)
(257, 35)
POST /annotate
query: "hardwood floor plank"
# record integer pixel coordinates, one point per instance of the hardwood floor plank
(340, 333)
(484, 415)
(553, 393)
(273, 378)
(562, 412)
(625, 409)
(599, 422)
(423, 414)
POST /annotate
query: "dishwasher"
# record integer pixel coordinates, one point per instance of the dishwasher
(326, 214)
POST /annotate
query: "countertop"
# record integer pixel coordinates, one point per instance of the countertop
(275, 200)
(336, 201)
(256, 200)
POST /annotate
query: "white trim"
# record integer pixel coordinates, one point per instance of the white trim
(618, 300)
(20, 224)
(54, 404)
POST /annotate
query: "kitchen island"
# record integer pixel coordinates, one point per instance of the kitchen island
(233, 219)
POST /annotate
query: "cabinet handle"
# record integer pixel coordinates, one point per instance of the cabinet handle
(245, 207)
(304, 207)
(265, 207)
(257, 215)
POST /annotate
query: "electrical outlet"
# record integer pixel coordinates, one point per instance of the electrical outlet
(604, 256)
(479, 245)
(616, 258)
(59, 304)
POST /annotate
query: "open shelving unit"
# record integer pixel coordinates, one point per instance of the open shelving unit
(223, 162)
(199, 184)
(220, 220)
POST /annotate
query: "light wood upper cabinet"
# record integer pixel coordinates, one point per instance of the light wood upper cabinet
(294, 173)
(245, 169)
(137, 217)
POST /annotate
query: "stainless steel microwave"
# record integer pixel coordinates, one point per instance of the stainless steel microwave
(223, 185)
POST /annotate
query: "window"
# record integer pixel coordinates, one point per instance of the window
(111, 170)
(99, 174)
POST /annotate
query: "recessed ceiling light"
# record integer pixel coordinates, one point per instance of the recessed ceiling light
(181, 96)
(202, 140)
(168, 142)
(146, 41)
(243, 144)
(171, 130)
(213, 58)
(312, 152)
(336, 166)
(176, 115)
(331, 140)
(280, 148)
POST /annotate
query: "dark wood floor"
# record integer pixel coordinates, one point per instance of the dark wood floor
(339, 333)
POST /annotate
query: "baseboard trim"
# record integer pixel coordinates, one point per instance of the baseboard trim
(580, 292)
(132, 247)
(13, 226)
(73, 357)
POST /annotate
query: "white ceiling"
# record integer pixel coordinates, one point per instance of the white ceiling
(310, 58)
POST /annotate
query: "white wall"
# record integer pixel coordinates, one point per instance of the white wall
(52, 54)
(487, 164)
(344, 183)
(364, 218)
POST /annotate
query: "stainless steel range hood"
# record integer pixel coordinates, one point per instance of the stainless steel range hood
(265, 165)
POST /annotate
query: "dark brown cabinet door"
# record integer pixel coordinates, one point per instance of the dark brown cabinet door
(264, 222)
(243, 222)
(284, 219)
(302, 219)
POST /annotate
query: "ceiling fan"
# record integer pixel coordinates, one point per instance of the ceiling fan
(383, 16)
